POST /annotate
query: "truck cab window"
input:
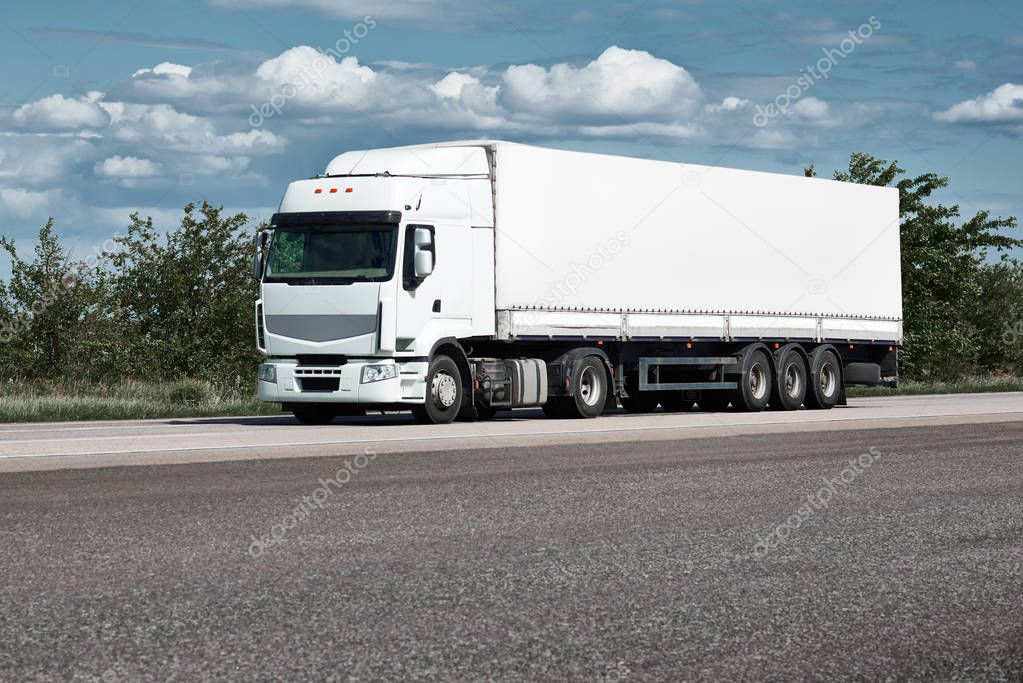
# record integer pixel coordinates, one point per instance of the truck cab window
(332, 254)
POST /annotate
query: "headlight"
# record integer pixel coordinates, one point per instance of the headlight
(268, 373)
(375, 373)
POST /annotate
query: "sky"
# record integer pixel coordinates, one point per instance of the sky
(118, 106)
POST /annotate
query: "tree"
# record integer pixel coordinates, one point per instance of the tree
(185, 300)
(51, 312)
(945, 270)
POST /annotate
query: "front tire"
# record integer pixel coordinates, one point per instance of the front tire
(444, 393)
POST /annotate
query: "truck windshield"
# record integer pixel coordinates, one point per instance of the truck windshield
(332, 254)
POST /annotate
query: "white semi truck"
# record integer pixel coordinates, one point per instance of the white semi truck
(464, 278)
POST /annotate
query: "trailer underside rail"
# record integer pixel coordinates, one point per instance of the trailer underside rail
(651, 365)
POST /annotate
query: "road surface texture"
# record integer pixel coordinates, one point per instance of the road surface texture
(867, 552)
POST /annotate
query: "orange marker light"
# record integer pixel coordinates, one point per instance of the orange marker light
(348, 189)
(317, 190)
(333, 190)
(689, 345)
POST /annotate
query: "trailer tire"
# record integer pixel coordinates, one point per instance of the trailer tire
(755, 380)
(789, 388)
(641, 402)
(444, 393)
(314, 415)
(825, 382)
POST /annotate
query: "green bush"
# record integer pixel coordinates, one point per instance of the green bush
(190, 392)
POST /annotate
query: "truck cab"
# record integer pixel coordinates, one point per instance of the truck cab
(366, 271)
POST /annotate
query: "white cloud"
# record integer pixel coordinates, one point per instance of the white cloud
(163, 127)
(308, 77)
(619, 84)
(57, 112)
(165, 69)
(126, 167)
(37, 158)
(450, 87)
(24, 203)
(730, 103)
(1001, 105)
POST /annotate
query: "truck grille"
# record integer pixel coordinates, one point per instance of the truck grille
(321, 384)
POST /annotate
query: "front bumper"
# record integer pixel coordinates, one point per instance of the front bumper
(342, 384)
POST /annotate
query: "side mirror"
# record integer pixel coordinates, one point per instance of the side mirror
(423, 263)
(424, 238)
(257, 257)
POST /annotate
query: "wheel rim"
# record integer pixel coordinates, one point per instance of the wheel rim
(828, 379)
(793, 381)
(757, 381)
(589, 386)
(444, 389)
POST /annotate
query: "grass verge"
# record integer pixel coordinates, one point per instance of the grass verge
(58, 402)
(969, 385)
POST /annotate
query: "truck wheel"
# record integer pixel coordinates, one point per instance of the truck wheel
(443, 393)
(314, 415)
(590, 381)
(676, 402)
(755, 382)
(825, 383)
(640, 402)
(715, 401)
(789, 388)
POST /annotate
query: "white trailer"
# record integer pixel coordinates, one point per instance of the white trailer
(468, 277)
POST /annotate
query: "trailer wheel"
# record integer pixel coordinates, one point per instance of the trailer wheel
(789, 388)
(443, 393)
(825, 383)
(314, 415)
(676, 402)
(755, 382)
(641, 402)
(591, 386)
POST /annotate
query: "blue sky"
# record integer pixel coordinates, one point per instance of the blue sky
(113, 107)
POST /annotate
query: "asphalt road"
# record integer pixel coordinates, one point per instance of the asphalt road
(901, 556)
